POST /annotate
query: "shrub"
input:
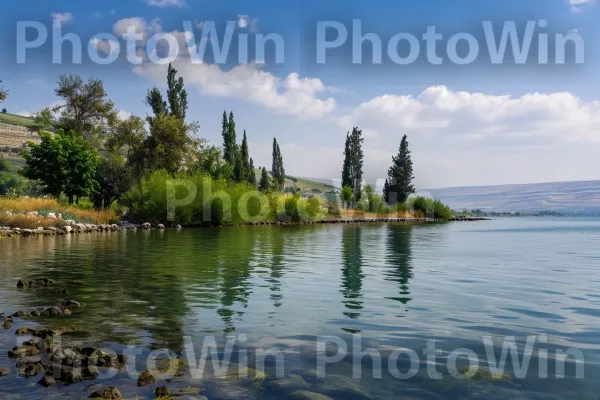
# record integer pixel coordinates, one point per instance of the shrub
(429, 207)
(333, 209)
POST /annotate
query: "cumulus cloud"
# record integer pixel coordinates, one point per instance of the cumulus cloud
(533, 118)
(62, 17)
(123, 115)
(292, 95)
(165, 3)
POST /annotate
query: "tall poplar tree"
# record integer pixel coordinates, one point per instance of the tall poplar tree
(229, 139)
(278, 171)
(398, 186)
(352, 171)
(245, 160)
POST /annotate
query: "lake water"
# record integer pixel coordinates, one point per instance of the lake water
(285, 288)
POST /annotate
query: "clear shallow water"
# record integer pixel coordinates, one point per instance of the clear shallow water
(396, 286)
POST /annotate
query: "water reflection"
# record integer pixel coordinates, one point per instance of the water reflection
(352, 274)
(399, 260)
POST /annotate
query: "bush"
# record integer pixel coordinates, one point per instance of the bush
(226, 203)
(333, 209)
(429, 207)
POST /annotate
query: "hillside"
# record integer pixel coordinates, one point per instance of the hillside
(14, 132)
(559, 196)
(17, 120)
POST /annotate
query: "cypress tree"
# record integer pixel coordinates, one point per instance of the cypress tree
(252, 173)
(346, 180)
(278, 170)
(265, 183)
(400, 176)
(229, 139)
(352, 170)
(245, 160)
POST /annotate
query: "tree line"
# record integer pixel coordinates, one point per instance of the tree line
(87, 151)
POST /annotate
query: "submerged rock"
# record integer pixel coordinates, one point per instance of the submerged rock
(110, 393)
(47, 380)
(71, 304)
(30, 370)
(342, 387)
(7, 324)
(291, 382)
(4, 372)
(163, 391)
(306, 395)
(146, 378)
(23, 351)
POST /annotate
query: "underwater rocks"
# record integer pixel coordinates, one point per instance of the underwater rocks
(4, 372)
(110, 393)
(162, 392)
(35, 283)
(7, 323)
(306, 395)
(145, 378)
(49, 312)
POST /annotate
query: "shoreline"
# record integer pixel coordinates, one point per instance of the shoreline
(7, 232)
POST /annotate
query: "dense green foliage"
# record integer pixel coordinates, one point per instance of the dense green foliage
(3, 93)
(199, 199)
(63, 162)
(265, 182)
(398, 185)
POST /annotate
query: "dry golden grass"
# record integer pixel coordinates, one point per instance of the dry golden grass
(23, 205)
(25, 221)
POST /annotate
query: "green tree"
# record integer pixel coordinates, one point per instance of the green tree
(62, 162)
(3, 93)
(243, 169)
(347, 195)
(4, 111)
(210, 162)
(252, 173)
(176, 94)
(277, 170)
(398, 186)
(265, 182)
(86, 109)
(352, 170)
(127, 137)
(114, 179)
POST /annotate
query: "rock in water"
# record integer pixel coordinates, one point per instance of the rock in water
(163, 391)
(4, 372)
(145, 378)
(7, 324)
(47, 380)
(306, 395)
(110, 393)
(289, 383)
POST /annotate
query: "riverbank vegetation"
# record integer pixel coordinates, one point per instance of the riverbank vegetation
(94, 166)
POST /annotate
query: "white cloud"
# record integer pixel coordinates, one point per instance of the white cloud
(577, 5)
(165, 3)
(533, 118)
(246, 22)
(62, 17)
(292, 95)
(138, 24)
(25, 114)
(243, 21)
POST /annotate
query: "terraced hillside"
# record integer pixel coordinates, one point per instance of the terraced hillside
(14, 131)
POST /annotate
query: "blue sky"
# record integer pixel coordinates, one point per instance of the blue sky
(467, 124)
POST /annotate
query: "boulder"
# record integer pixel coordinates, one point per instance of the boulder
(23, 351)
(146, 226)
(47, 380)
(160, 226)
(163, 391)
(71, 304)
(7, 324)
(30, 370)
(146, 378)
(4, 372)
(110, 393)
(67, 229)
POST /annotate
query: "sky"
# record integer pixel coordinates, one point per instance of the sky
(475, 123)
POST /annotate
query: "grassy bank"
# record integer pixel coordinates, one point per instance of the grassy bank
(19, 212)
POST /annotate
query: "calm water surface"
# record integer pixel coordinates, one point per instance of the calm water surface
(394, 286)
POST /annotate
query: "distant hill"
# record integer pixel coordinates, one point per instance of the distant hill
(17, 120)
(560, 196)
